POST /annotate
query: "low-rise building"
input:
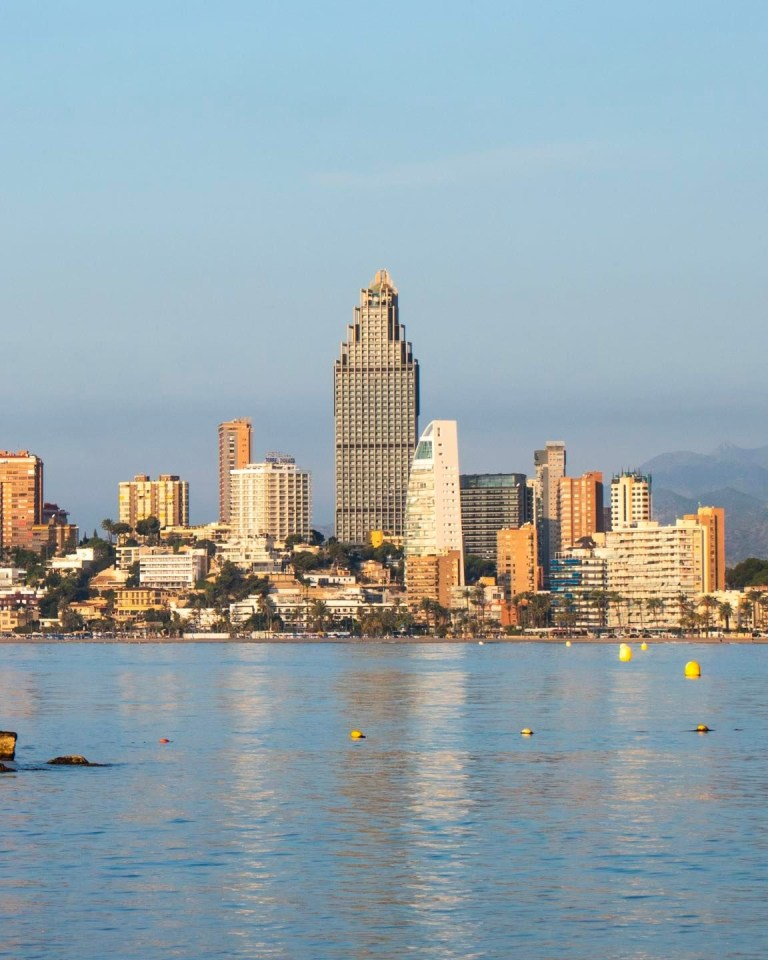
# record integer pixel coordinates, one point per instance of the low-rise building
(173, 571)
(131, 602)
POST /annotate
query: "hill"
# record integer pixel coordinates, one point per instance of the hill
(730, 477)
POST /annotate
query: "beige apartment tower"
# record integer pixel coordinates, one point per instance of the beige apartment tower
(630, 499)
(21, 498)
(376, 415)
(234, 453)
(166, 498)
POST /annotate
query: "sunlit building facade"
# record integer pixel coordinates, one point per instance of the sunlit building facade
(630, 499)
(21, 498)
(490, 502)
(235, 438)
(580, 508)
(272, 498)
(166, 498)
(376, 413)
(433, 506)
(549, 464)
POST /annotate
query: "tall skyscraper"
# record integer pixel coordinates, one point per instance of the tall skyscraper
(581, 507)
(21, 498)
(234, 453)
(550, 468)
(376, 416)
(273, 498)
(490, 502)
(166, 498)
(630, 499)
(433, 509)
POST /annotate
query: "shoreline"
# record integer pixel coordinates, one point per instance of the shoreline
(21, 639)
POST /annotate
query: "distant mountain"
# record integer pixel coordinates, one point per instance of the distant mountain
(730, 477)
(690, 473)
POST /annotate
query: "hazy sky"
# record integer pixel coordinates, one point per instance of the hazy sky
(570, 197)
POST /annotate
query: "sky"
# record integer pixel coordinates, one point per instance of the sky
(570, 198)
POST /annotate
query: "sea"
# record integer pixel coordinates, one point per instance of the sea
(261, 829)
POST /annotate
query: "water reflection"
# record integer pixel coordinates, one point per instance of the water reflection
(263, 830)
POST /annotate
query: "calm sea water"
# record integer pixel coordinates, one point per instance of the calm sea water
(263, 831)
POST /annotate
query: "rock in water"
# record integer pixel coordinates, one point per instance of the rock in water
(72, 760)
(7, 745)
(4, 769)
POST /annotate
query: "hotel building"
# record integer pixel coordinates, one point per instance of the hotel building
(273, 499)
(376, 413)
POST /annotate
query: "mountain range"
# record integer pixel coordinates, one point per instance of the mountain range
(729, 477)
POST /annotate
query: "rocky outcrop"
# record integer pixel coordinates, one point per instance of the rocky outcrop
(7, 745)
(4, 769)
(72, 760)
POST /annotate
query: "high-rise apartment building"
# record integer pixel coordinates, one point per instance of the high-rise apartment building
(433, 505)
(550, 469)
(376, 414)
(489, 502)
(517, 560)
(166, 498)
(273, 498)
(630, 499)
(234, 453)
(581, 507)
(21, 498)
(713, 520)
(648, 561)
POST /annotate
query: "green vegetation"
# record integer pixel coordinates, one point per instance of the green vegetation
(475, 568)
(751, 572)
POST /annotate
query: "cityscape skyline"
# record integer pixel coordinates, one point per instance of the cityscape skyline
(194, 201)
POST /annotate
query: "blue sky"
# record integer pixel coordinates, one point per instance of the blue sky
(571, 199)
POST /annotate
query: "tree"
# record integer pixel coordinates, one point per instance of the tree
(108, 526)
(726, 612)
(655, 607)
(476, 567)
(709, 603)
(318, 615)
(751, 572)
(149, 527)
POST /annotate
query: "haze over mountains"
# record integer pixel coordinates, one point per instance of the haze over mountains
(729, 477)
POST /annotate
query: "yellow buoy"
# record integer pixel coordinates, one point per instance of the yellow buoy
(693, 670)
(702, 728)
(625, 653)
(643, 645)
(357, 735)
(567, 643)
(527, 732)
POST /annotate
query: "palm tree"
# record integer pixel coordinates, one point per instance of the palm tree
(108, 526)
(743, 611)
(318, 615)
(709, 603)
(655, 606)
(726, 612)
